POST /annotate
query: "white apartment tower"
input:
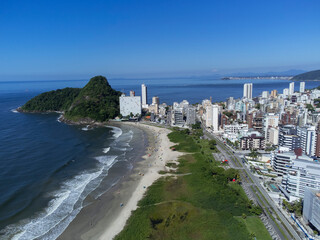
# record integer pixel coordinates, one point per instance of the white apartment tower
(208, 116)
(291, 88)
(215, 118)
(270, 121)
(286, 92)
(307, 136)
(247, 90)
(302, 86)
(144, 96)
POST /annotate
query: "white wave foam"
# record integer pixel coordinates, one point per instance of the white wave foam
(63, 208)
(59, 118)
(116, 131)
(106, 150)
(14, 110)
(123, 149)
(86, 128)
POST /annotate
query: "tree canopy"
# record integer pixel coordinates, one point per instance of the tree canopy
(96, 101)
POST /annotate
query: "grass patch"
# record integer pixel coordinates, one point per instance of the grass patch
(205, 204)
(172, 165)
(255, 227)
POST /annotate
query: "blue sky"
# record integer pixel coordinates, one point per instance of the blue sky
(78, 39)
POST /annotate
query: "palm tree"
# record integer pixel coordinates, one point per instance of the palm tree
(254, 154)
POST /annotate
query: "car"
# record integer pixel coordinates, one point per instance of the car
(260, 177)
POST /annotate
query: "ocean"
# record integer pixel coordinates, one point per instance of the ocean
(50, 170)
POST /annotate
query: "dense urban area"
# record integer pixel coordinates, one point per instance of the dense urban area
(273, 139)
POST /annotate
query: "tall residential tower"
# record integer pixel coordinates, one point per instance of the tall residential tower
(302, 86)
(291, 88)
(144, 96)
(247, 90)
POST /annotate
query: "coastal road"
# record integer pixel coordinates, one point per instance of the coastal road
(279, 222)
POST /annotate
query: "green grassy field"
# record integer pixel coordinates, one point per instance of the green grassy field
(256, 227)
(205, 204)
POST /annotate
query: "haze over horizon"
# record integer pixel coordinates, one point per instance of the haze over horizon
(44, 40)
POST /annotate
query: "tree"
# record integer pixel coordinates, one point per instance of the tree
(212, 144)
(310, 107)
(197, 125)
(254, 154)
(228, 114)
(186, 131)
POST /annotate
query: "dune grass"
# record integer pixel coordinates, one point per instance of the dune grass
(204, 204)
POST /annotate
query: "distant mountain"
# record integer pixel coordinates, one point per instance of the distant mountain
(312, 75)
(96, 102)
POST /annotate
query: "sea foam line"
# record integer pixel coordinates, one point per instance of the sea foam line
(106, 150)
(117, 132)
(64, 207)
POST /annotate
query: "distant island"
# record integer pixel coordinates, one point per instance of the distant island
(97, 102)
(308, 76)
(257, 77)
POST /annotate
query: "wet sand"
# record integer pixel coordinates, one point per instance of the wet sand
(105, 218)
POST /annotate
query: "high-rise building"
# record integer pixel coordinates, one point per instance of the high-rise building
(191, 115)
(301, 173)
(317, 153)
(231, 103)
(177, 116)
(209, 116)
(130, 105)
(273, 135)
(247, 90)
(265, 94)
(252, 142)
(274, 93)
(215, 118)
(281, 160)
(144, 96)
(155, 100)
(286, 92)
(302, 86)
(291, 88)
(288, 137)
(250, 120)
(271, 120)
(307, 136)
(311, 207)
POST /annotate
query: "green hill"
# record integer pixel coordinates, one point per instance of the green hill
(57, 100)
(312, 75)
(97, 101)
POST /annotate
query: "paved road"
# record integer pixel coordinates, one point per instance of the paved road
(283, 228)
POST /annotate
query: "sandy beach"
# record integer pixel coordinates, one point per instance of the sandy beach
(106, 217)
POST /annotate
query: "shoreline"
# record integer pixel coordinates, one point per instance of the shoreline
(105, 218)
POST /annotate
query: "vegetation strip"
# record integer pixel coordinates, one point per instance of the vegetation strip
(209, 203)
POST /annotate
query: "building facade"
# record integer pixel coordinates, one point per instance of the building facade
(311, 208)
(130, 105)
(302, 173)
